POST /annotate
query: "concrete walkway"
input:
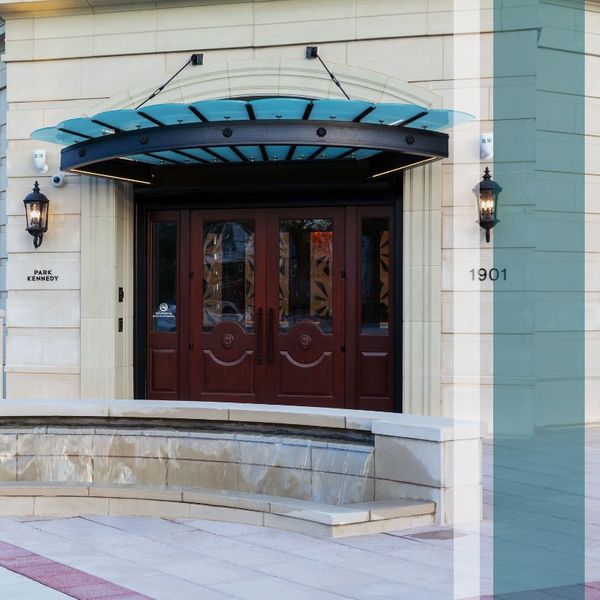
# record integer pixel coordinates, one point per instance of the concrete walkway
(124, 557)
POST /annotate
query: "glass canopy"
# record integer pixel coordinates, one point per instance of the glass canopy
(162, 117)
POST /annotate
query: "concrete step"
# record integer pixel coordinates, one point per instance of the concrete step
(47, 499)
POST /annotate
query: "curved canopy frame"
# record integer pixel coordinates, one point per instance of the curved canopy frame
(137, 144)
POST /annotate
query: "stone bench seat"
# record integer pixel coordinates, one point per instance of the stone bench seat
(41, 499)
(321, 471)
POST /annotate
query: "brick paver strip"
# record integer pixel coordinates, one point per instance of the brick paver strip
(589, 591)
(62, 578)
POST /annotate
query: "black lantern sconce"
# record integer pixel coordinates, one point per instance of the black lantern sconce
(36, 214)
(487, 192)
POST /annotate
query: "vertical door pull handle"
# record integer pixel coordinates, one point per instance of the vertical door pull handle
(270, 336)
(259, 334)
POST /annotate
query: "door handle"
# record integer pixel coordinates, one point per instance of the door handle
(259, 334)
(270, 336)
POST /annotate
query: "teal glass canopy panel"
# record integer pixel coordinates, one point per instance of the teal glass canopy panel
(54, 135)
(438, 119)
(109, 122)
(277, 152)
(539, 492)
(252, 153)
(86, 128)
(280, 108)
(122, 120)
(223, 110)
(158, 117)
(392, 114)
(170, 114)
(338, 110)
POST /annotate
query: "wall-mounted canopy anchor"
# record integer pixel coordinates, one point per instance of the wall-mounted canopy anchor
(312, 52)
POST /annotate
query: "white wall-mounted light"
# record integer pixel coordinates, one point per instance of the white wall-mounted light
(486, 146)
(39, 160)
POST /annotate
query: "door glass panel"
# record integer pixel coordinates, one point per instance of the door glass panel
(305, 276)
(164, 276)
(375, 275)
(228, 273)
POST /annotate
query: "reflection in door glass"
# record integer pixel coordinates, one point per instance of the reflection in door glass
(228, 273)
(164, 276)
(305, 272)
(375, 275)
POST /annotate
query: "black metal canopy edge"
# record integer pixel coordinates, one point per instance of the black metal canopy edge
(107, 156)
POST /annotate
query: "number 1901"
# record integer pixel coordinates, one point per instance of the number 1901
(485, 274)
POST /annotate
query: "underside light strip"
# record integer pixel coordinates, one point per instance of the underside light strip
(404, 167)
(131, 180)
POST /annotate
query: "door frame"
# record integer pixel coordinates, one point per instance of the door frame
(388, 192)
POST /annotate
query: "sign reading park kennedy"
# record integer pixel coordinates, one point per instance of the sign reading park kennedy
(42, 275)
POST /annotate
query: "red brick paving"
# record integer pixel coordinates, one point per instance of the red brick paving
(62, 578)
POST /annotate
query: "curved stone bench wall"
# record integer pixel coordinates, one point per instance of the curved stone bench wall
(327, 457)
(329, 471)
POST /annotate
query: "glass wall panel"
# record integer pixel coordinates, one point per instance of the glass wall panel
(375, 275)
(164, 276)
(228, 273)
(305, 277)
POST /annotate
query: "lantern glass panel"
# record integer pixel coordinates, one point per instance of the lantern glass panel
(487, 205)
(37, 216)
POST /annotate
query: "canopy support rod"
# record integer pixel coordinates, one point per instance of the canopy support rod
(193, 60)
(313, 52)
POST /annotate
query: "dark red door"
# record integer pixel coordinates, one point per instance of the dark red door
(227, 306)
(305, 307)
(281, 306)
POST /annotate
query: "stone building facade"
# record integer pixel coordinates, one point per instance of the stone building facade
(64, 59)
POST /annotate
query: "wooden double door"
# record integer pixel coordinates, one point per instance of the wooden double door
(280, 306)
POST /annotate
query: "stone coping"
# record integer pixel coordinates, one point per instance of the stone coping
(314, 518)
(436, 429)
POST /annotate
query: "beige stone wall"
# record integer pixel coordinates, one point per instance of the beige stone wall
(62, 64)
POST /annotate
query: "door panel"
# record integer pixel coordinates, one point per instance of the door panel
(227, 291)
(306, 306)
(163, 327)
(375, 321)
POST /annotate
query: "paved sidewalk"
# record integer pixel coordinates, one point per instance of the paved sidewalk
(206, 560)
(177, 560)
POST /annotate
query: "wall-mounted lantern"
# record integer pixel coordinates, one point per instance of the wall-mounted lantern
(487, 192)
(36, 214)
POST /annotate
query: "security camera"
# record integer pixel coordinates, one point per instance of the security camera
(39, 160)
(58, 180)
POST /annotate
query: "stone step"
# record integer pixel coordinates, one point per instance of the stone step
(48, 499)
